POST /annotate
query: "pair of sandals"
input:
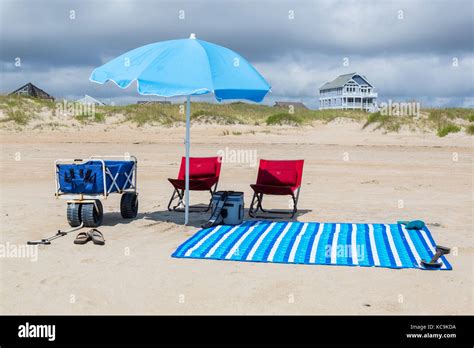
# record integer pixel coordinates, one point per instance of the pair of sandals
(95, 235)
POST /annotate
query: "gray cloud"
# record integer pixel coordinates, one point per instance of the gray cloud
(406, 48)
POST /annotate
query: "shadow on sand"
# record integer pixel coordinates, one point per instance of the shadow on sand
(196, 219)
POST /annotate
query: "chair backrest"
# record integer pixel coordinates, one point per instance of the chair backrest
(201, 167)
(280, 173)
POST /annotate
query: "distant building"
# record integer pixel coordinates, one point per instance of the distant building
(144, 102)
(296, 105)
(88, 100)
(349, 91)
(32, 91)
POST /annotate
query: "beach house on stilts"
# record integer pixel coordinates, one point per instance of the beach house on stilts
(348, 92)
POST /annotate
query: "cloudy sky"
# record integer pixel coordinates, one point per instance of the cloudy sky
(422, 50)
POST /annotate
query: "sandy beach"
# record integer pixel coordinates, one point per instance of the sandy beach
(350, 175)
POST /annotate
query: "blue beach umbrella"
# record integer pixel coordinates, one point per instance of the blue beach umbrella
(185, 67)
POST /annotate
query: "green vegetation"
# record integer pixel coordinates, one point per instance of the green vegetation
(375, 118)
(445, 119)
(85, 118)
(284, 119)
(18, 116)
(226, 114)
(99, 117)
(387, 122)
(22, 102)
(49, 125)
(470, 129)
(439, 115)
(21, 110)
(447, 128)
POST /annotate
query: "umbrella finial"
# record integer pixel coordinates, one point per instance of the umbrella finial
(192, 36)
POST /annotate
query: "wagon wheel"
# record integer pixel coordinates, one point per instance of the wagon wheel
(129, 205)
(74, 214)
(92, 216)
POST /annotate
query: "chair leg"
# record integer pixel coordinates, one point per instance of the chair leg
(252, 212)
(180, 199)
(295, 202)
(171, 200)
(180, 196)
(260, 203)
(210, 201)
(294, 206)
(259, 198)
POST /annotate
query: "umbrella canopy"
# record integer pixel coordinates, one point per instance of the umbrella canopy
(185, 67)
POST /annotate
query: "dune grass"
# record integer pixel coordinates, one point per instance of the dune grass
(85, 118)
(284, 119)
(445, 119)
(470, 129)
(388, 122)
(21, 110)
(18, 116)
(447, 128)
(439, 115)
(227, 114)
(17, 101)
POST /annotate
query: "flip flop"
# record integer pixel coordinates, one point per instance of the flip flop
(97, 236)
(82, 238)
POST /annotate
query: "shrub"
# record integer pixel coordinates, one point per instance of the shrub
(18, 116)
(390, 123)
(284, 119)
(470, 129)
(88, 118)
(447, 128)
(198, 113)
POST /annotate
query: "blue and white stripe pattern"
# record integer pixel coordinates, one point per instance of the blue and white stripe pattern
(380, 245)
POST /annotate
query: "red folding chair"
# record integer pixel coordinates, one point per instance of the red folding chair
(277, 178)
(203, 176)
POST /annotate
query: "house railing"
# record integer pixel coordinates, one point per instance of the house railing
(357, 105)
(350, 94)
(360, 94)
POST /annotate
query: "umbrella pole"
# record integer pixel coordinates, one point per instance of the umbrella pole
(187, 143)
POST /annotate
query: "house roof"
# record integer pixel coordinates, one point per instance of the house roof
(33, 91)
(89, 100)
(145, 102)
(295, 104)
(341, 80)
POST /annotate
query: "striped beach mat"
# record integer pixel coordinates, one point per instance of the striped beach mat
(341, 244)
